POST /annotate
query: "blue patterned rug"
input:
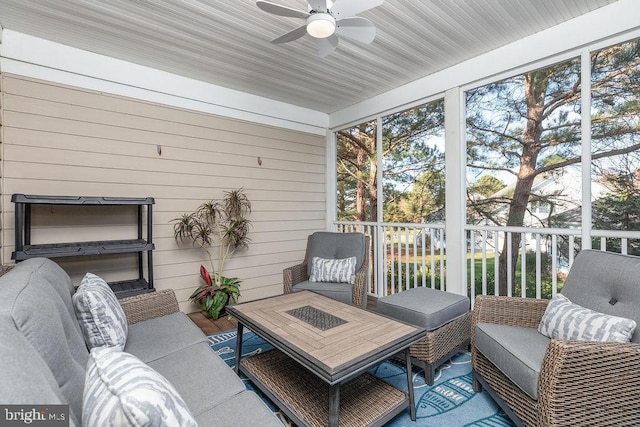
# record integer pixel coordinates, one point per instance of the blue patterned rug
(449, 402)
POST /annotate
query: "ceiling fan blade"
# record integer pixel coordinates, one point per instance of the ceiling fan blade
(356, 28)
(291, 35)
(346, 8)
(276, 9)
(318, 5)
(327, 45)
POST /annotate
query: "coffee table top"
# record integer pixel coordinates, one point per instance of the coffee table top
(334, 340)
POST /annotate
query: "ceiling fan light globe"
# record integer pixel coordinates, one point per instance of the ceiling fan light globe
(321, 25)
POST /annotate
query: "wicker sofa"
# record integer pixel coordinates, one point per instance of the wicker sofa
(44, 358)
(551, 382)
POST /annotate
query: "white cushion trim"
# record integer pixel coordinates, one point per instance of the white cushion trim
(563, 319)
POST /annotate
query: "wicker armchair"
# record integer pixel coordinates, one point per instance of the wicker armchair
(333, 245)
(580, 383)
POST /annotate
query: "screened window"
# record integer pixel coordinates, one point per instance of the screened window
(615, 145)
(413, 171)
(524, 147)
(356, 170)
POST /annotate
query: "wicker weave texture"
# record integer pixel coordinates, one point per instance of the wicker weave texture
(580, 383)
(436, 344)
(363, 400)
(512, 311)
(5, 268)
(522, 405)
(294, 275)
(589, 383)
(298, 273)
(148, 306)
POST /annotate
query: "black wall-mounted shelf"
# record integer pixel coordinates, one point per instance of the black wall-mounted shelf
(24, 249)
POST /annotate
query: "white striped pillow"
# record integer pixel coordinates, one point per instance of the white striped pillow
(100, 315)
(568, 321)
(121, 390)
(333, 270)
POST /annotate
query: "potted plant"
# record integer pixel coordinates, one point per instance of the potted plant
(219, 227)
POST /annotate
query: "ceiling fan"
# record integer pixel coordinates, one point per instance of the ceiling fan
(326, 19)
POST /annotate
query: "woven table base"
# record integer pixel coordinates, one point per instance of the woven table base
(365, 400)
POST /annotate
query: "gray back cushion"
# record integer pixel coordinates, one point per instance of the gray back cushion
(57, 277)
(606, 282)
(35, 299)
(324, 244)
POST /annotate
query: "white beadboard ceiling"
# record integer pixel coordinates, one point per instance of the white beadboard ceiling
(226, 42)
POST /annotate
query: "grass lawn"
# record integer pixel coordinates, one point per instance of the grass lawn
(410, 258)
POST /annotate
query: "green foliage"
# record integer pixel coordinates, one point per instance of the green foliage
(486, 186)
(620, 209)
(416, 274)
(214, 297)
(356, 168)
(529, 123)
(546, 281)
(427, 196)
(219, 227)
(406, 153)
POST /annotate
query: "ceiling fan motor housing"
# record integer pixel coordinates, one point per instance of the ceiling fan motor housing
(321, 25)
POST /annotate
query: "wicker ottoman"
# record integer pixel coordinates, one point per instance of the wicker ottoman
(444, 315)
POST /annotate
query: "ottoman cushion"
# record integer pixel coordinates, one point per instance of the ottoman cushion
(425, 307)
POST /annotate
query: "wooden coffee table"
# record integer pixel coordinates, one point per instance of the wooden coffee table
(317, 373)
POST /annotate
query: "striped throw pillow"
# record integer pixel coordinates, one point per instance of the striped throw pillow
(100, 315)
(120, 390)
(333, 270)
(568, 321)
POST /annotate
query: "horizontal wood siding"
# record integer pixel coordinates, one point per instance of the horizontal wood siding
(61, 140)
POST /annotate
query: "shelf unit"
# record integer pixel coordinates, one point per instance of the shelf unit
(24, 249)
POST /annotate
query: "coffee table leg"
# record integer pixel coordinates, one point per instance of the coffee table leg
(334, 405)
(412, 403)
(239, 347)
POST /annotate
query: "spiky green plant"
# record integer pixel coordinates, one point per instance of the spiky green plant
(219, 227)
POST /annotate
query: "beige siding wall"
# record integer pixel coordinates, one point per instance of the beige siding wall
(61, 140)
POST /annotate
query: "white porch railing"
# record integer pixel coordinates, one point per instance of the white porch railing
(404, 256)
(553, 248)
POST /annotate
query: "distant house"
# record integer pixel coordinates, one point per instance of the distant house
(555, 201)
(553, 196)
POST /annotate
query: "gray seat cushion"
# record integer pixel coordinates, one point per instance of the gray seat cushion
(234, 413)
(424, 307)
(518, 352)
(338, 291)
(201, 378)
(156, 338)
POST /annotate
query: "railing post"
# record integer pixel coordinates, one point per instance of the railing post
(585, 129)
(455, 162)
